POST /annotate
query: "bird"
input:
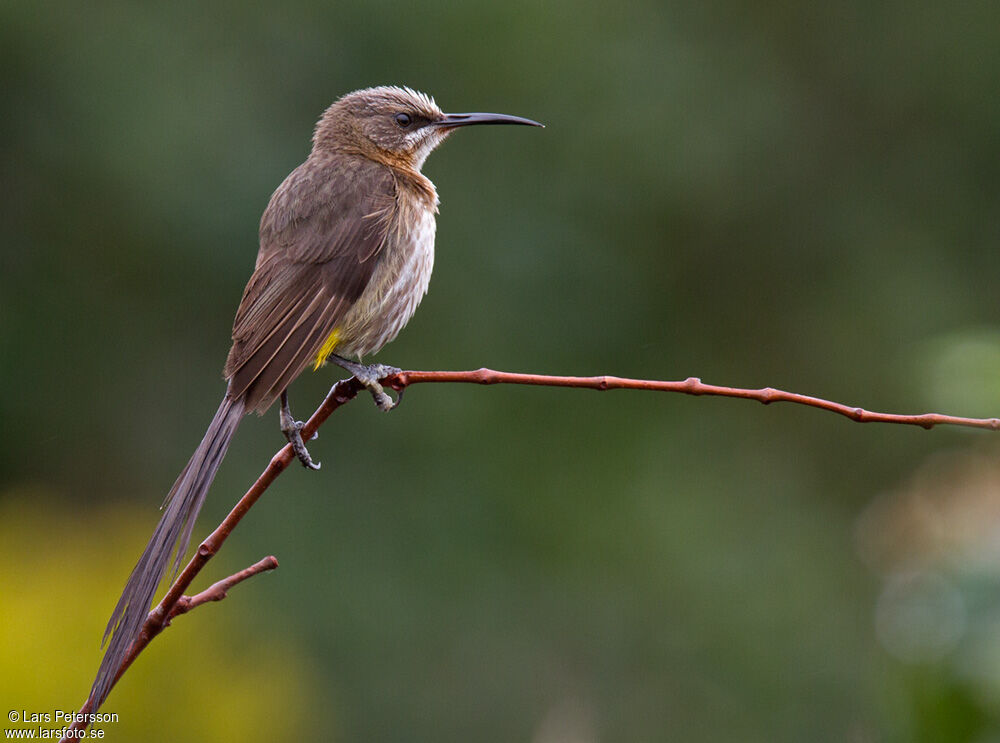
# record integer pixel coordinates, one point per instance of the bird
(346, 249)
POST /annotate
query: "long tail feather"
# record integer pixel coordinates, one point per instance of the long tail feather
(171, 536)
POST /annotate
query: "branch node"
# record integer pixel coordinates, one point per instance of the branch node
(692, 385)
(396, 382)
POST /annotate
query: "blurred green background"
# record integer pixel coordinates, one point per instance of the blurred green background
(804, 196)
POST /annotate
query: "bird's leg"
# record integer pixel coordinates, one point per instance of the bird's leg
(369, 375)
(293, 432)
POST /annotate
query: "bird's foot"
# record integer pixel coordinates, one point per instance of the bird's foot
(369, 375)
(293, 432)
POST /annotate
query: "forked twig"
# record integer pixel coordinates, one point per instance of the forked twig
(175, 602)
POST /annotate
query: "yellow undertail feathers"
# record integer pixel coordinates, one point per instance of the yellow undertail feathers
(328, 345)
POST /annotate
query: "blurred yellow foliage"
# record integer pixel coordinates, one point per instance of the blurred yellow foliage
(196, 682)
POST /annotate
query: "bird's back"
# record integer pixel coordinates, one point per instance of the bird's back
(346, 252)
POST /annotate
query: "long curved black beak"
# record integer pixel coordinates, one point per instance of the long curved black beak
(452, 121)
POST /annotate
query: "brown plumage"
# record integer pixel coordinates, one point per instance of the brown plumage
(320, 242)
(346, 252)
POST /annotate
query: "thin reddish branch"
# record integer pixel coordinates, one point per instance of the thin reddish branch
(220, 589)
(175, 602)
(160, 616)
(690, 386)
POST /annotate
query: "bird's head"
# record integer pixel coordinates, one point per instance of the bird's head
(397, 126)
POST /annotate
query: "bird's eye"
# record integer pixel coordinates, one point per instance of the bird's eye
(403, 120)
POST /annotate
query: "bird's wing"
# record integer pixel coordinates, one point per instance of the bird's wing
(320, 240)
